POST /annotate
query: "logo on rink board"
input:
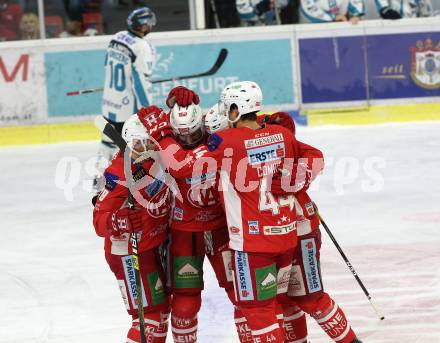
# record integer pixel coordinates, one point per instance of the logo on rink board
(311, 268)
(266, 280)
(425, 64)
(245, 290)
(127, 262)
(187, 272)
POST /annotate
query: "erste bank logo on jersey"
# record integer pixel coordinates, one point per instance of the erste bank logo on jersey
(265, 149)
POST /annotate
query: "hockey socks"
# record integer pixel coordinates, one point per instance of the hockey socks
(295, 325)
(161, 332)
(134, 335)
(263, 323)
(335, 324)
(243, 330)
(184, 329)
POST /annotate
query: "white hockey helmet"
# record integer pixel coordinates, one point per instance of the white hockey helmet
(246, 95)
(187, 124)
(215, 121)
(246, 9)
(136, 135)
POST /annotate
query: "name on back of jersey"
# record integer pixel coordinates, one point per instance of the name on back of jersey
(120, 52)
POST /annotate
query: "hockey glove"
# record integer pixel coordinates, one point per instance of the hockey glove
(155, 121)
(125, 220)
(389, 13)
(182, 96)
(282, 119)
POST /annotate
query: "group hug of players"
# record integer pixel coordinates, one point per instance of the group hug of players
(230, 186)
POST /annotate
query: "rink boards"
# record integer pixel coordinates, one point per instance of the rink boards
(375, 72)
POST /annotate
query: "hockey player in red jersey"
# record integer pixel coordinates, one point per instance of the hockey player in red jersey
(306, 291)
(198, 225)
(114, 221)
(261, 225)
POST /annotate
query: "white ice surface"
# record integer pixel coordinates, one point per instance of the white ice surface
(55, 285)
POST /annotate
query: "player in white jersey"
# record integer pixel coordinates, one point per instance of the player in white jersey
(128, 67)
(396, 9)
(323, 11)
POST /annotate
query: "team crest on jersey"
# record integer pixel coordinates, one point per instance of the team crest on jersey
(265, 154)
(202, 195)
(254, 228)
(425, 64)
(159, 204)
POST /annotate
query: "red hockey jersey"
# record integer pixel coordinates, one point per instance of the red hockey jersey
(258, 221)
(197, 207)
(307, 217)
(152, 196)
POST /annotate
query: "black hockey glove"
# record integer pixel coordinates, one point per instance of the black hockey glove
(389, 13)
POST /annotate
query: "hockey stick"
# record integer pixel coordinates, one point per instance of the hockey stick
(214, 11)
(277, 12)
(350, 266)
(218, 63)
(107, 129)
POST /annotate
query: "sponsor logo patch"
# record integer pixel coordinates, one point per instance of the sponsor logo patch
(227, 263)
(178, 213)
(296, 282)
(283, 279)
(245, 290)
(279, 230)
(156, 288)
(201, 178)
(254, 228)
(139, 174)
(262, 141)
(187, 271)
(311, 268)
(155, 185)
(266, 279)
(310, 208)
(128, 263)
(123, 290)
(266, 154)
(234, 230)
